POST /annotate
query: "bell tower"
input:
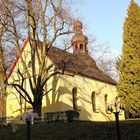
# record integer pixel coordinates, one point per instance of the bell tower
(79, 41)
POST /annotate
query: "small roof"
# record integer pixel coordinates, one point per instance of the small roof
(79, 38)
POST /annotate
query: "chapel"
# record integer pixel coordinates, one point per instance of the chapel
(82, 86)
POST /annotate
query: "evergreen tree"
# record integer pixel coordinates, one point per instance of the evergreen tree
(129, 84)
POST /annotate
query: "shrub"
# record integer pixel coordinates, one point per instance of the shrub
(72, 115)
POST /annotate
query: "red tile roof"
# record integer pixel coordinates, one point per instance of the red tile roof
(80, 64)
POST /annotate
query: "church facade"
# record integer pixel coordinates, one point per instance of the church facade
(82, 87)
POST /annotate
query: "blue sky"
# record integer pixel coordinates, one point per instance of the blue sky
(104, 19)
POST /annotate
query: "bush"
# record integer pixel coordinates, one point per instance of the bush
(72, 115)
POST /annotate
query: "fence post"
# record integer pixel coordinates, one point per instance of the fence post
(117, 125)
(28, 126)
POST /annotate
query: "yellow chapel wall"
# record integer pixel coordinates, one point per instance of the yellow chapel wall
(13, 106)
(61, 98)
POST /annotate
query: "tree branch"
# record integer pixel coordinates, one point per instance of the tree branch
(47, 92)
(23, 90)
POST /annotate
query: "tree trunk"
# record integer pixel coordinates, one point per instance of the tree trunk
(2, 79)
(37, 108)
(3, 100)
(37, 105)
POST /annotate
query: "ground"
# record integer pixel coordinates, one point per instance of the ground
(130, 130)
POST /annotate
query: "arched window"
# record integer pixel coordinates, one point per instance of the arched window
(105, 98)
(81, 46)
(29, 63)
(93, 100)
(74, 96)
(106, 105)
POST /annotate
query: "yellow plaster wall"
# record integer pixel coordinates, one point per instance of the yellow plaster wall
(62, 97)
(13, 107)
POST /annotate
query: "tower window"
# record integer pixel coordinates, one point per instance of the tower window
(76, 47)
(74, 96)
(81, 46)
(29, 63)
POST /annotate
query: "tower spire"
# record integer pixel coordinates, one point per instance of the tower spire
(79, 41)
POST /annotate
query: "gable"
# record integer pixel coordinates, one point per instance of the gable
(17, 59)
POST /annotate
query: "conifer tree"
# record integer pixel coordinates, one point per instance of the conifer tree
(129, 84)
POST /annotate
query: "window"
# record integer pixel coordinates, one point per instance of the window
(93, 100)
(105, 98)
(106, 105)
(81, 46)
(74, 96)
(29, 64)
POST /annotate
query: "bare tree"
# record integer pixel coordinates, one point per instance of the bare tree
(46, 21)
(103, 56)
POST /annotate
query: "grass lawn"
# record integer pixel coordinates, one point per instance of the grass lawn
(130, 130)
